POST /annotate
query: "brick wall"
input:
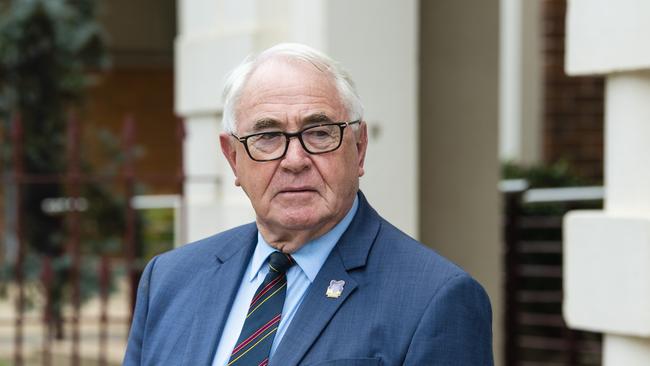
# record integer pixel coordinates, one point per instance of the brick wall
(573, 106)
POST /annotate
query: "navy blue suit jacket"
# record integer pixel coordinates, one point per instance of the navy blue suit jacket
(402, 304)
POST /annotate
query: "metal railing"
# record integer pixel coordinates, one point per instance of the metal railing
(38, 305)
(535, 331)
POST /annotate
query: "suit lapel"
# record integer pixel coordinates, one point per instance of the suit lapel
(215, 294)
(316, 310)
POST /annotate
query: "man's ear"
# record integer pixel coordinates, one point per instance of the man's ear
(229, 150)
(362, 145)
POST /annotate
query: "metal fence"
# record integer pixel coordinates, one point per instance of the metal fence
(535, 331)
(44, 294)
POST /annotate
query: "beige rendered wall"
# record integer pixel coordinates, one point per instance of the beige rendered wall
(459, 169)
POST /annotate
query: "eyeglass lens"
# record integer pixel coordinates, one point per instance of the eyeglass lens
(272, 145)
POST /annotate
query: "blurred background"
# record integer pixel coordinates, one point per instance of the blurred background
(109, 120)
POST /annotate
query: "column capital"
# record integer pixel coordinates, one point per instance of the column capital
(604, 36)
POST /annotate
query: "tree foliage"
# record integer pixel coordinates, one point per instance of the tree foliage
(48, 48)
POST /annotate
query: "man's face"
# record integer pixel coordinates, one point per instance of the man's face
(301, 191)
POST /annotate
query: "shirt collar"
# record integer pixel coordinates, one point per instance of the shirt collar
(311, 257)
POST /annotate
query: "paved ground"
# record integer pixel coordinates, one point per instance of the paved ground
(117, 331)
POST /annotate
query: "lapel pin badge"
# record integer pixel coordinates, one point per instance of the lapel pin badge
(335, 289)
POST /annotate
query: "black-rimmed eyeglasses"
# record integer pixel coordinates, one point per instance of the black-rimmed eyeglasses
(317, 139)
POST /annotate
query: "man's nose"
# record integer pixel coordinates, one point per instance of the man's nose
(296, 158)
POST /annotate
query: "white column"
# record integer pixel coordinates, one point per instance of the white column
(214, 35)
(520, 79)
(607, 253)
(377, 41)
(627, 175)
(510, 80)
(625, 350)
(627, 138)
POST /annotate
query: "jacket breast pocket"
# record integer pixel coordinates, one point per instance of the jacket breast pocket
(348, 362)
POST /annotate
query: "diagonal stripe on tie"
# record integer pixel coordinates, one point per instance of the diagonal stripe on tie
(265, 290)
(257, 333)
(279, 289)
(264, 315)
(244, 353)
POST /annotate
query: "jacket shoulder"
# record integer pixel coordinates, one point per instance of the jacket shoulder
(402, 250)
(204, 252)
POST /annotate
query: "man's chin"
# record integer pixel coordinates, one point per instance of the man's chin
(300, 219)
(297, 222)
(298, 213)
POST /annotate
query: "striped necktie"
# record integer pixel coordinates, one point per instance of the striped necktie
(263, 317)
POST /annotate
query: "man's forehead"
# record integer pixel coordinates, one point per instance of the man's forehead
(281, 90)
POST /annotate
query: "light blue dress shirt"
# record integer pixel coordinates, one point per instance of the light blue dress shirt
(309, 259)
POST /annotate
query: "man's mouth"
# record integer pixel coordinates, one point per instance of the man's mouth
(297, 190)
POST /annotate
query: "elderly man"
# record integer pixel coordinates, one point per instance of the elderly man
(319, 278)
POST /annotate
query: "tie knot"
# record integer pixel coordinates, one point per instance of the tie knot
(280, 262)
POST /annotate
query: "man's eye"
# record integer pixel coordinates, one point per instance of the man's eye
(268, 136)
(318, 133)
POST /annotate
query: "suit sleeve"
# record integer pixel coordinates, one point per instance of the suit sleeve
(456, 328)
(136, 340)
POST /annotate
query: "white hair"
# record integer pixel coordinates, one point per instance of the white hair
(238, 77)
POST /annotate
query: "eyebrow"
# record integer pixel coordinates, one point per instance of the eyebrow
(317, 118)
(268, 123)
(265, 123)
